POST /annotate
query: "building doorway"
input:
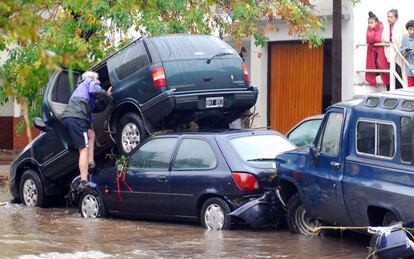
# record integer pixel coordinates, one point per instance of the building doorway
(300, 80)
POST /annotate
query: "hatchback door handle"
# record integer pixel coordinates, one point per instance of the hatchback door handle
(162, 178)
(335, 164)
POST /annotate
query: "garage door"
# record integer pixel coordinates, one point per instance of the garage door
(295, 85)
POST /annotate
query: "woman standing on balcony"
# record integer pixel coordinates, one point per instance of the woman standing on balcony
(375, 54)
(393, 33)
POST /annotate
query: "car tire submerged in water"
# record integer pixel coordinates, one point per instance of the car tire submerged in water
(91, 205)
(31, 189)
(298, 219)
(130, 132)
(214, 214)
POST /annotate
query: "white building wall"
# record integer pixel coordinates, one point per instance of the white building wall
(8, 109)
(348, 25)
(258, 78)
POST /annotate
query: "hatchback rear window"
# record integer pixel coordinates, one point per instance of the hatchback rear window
(194, 47)
(259, 149)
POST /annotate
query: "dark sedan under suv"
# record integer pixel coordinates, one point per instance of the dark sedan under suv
(199, 176)
(158, 83)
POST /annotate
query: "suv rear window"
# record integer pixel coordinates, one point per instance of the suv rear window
(186, 47)
(260, 150)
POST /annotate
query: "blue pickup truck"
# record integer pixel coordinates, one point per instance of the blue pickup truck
(359, 170)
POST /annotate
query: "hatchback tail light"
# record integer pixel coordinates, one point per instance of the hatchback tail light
(245, 181)
(158, 75)
(246, 73)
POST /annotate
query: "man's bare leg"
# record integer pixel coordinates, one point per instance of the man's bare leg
(83, 163)
(91, 146)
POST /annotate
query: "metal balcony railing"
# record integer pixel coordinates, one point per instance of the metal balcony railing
(393, 74)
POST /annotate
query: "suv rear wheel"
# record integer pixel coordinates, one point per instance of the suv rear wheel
(130, 132)
(31, 189)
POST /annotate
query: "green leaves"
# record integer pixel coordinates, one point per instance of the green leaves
(45, 35)
(236, 18)
(121, 17)
(24, 74)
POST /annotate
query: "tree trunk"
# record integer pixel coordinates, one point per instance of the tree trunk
(25, 109)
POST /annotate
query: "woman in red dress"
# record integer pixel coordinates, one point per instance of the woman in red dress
(375, 54)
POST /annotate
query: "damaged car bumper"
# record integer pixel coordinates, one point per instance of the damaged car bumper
(265, 210)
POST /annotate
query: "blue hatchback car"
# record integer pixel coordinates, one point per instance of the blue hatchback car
(193, 176)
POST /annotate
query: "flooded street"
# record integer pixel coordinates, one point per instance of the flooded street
(62, 233)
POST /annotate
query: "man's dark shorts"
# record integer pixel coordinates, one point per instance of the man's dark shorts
(78, 131)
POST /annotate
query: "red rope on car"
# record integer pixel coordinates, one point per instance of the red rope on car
(121, 173)
(125, 182)
(118, 187)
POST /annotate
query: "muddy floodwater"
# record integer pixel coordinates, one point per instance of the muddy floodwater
(62, 233)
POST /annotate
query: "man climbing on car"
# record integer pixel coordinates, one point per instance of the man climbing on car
(77, 118)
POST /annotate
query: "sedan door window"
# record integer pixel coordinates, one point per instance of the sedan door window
(195, 154)
(153, 155)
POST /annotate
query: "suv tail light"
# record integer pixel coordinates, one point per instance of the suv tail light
(245, 181)
(246, 73)
(158, 75)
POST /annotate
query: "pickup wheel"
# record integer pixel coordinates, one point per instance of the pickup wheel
(130, 132)
(31, 189)
(298, 219)
(389, 219)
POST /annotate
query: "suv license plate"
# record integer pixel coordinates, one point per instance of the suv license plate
(214, 102)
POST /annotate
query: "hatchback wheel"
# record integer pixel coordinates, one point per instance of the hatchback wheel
(214, 214)
(130, 132)
(91, 205)
(298, 219)
(31, 189)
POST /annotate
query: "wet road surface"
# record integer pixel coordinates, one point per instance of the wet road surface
(61, 233)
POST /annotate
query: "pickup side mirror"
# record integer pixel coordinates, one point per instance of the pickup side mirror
(314, 152)
(38, 122)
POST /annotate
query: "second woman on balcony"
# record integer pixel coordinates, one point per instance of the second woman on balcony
(393, 33)
(375, 54)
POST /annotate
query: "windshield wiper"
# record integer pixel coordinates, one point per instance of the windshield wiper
(262, 159)
(219, 54)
